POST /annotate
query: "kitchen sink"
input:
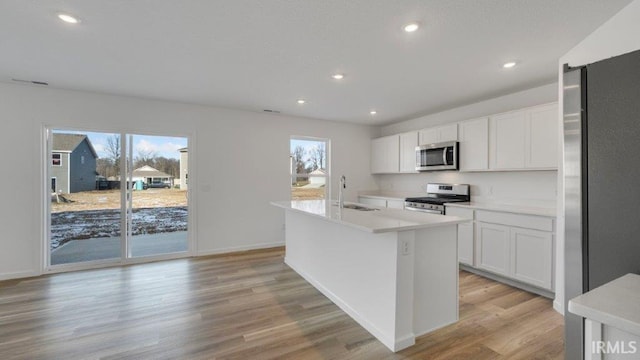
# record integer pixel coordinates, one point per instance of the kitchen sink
(357, 207)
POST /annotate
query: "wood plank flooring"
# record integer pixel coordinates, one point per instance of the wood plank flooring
(246, 306)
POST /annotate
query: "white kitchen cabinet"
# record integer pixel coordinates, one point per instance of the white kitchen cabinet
(372, 201)
(385, 155)
(492, 248)
(382, 202)
(525, 139)
(395, 204)
(465, 234)
(465, 244)
(438, 134)
(408, 143)
(516, 246)
(474, 144)
(542, 139)
(507, 141)
(531, 256)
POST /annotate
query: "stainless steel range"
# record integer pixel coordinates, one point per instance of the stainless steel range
(437, 196)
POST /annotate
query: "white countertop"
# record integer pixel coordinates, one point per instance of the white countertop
(517, 209)
(379, 221)
(616, 303)
(388, 195)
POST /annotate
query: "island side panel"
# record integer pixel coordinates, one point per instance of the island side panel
(436, 278)
(354, 268)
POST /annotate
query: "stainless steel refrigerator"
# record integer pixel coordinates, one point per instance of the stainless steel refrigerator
(602, 179)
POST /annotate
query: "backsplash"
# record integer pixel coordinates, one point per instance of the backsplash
(530, 188)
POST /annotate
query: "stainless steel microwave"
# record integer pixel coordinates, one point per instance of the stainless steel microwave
(439, 156)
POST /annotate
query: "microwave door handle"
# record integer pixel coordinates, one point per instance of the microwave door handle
(444, 155)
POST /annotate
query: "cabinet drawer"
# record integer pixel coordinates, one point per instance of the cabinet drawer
(460, 212)
(395, 204)
(524, 221)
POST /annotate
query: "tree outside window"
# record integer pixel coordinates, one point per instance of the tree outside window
(309, 169)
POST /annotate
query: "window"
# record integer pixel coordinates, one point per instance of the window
(310, 177)
(56, 159)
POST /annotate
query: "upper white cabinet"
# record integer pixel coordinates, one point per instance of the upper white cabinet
(542, 137)
(524, 139)
(438, 134)
(385, 155)
(408, 143)
(474, 144)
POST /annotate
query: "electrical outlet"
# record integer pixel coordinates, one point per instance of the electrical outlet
(404, 247)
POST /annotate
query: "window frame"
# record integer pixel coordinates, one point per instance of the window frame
(59, 159)
(327, 168)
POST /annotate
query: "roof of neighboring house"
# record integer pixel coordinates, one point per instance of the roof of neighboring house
(69, 142)
(183, 149)
(318, 172)
(148, 171)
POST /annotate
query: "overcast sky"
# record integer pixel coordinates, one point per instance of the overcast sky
(165, 146)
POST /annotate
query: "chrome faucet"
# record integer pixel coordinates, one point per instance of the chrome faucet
(343, 185)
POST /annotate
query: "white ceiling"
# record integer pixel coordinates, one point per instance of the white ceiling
(266, 54)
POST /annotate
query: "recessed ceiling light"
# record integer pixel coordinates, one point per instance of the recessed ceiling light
(373, 112)
(338, 76)
(68, 18)
(509, 65)
(301, 101)
(411, 27)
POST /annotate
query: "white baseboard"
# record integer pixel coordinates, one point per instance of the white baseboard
(239, 248)
(530, 288)
(19, 274)
(557, 306)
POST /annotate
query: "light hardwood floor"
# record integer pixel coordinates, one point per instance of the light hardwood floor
(246, 306)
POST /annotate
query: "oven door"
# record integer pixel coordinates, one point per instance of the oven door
(440, 156)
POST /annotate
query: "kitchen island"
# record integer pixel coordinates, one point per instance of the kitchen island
(393, 271)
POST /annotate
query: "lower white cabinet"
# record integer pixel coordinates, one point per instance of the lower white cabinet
(492, 248)
(531, 256)
(515, 246)
(465, 234)
(395, 204)
(372, 201)
(525, 255)
(381, 202)
(465, 243)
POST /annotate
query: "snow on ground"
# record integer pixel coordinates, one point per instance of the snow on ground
(78, 225)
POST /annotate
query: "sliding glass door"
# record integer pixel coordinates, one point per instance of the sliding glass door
(157, 201)
(114, 197)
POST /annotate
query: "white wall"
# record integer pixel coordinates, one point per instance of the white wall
(533, 188)
(535, 96)
(241, 163)
(615, 37)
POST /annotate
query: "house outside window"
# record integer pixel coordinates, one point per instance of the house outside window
(309, 160)
(56, 159)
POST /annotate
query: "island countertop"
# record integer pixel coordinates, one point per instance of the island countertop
(381, 220)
